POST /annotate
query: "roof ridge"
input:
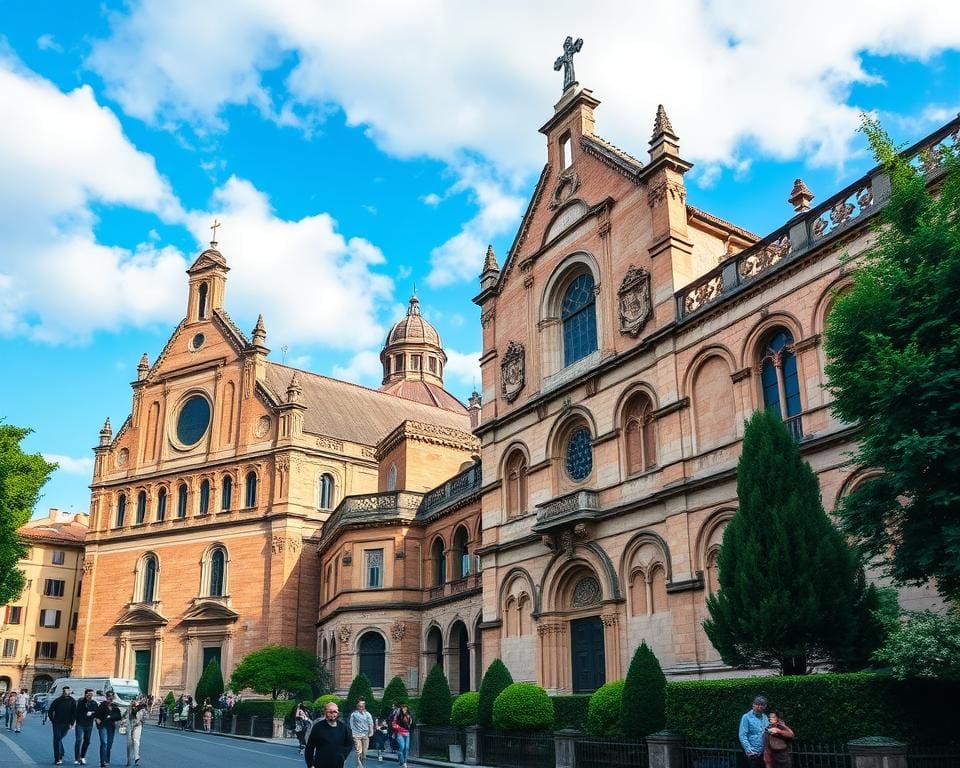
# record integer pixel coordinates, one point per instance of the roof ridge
(707, 215)
(613, 147)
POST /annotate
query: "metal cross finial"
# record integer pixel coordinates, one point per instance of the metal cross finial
(213, 242)
(570, 47)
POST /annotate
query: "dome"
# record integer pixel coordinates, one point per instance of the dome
(413, 328)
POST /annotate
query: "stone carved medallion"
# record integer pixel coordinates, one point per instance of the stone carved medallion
(567, 183)
(123, 456)
(512, 371)
(344, 633)
(397, 630)
(262, 427)
(586, 593)
(634, 300)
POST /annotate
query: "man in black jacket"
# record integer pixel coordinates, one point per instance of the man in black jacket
(62, 714)
(330, 741)
(86, 712)
(108, 714)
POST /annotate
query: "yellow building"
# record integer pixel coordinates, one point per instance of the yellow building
(37, 631)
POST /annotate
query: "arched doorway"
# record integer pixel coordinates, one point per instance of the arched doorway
(372, 650)
(459, 657)
(5, 684)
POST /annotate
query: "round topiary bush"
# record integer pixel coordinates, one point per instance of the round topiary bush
(464, 710)
(321, 701)
(603, 714)
(523, 707)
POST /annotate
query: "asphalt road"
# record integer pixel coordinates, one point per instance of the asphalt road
(160, 747)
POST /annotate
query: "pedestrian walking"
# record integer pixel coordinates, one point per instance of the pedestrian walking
(136, 715)
(776, 743)
(107, 717)
(23, 701)
(402, 724)
(162, 715)
(379, 742)
(752, 726)
(361, 728)
(86, 712)
(207, 716)
(301, 723)
(63, 714)
(10, 709)
(330, 741)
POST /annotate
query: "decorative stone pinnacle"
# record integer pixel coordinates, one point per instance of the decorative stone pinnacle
(259, 332)
(490, 262)
(800, 196)
(294, 390)
(414, 306)
(106, 432)
(661, 124)
(143, 366)
(474, 400)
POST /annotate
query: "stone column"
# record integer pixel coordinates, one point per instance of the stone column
(565, 746)
(665, 749)
(472, 753)
(877, 752)
(611, 642)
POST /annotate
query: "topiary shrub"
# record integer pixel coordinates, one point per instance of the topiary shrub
(570, 711)
(359, 689)
(523, 707)
(395, 691)
(643, 708)
(603, 714)
(435, 699)
(210, 684)
(169, 702)
(464, 711)
(321, 701)
(495, 680)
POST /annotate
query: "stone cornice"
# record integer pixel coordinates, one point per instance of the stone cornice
(433, 434)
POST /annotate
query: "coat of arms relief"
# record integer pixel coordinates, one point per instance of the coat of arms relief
(634, 300)
(512, 371)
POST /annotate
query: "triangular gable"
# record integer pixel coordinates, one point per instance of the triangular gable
(140, 616)
(209, 611)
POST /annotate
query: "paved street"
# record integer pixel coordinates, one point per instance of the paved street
(159, 747)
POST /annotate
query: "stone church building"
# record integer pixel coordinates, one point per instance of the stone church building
(625, 339)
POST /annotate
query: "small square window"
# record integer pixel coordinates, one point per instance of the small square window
(14, 614)
(9, 648)
(53, 587)
(50, 618)
(59, 557)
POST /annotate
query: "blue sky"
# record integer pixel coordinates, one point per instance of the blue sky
(352, 150)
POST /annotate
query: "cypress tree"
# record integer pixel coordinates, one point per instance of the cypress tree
(210, 684)
(395, 691)
(643, 707)
(359, 689)
(435, 699)
(495, 679)
(790, 591)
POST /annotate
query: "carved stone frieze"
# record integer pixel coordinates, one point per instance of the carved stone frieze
(634, 300)
(330, 444)
(512, 371)
(88, 567)
(610, 619)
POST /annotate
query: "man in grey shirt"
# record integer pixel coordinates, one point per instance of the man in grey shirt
(361, 727)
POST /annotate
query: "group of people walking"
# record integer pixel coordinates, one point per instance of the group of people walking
(66, 713)
(326, 742)
(15, 706)
(766, 739)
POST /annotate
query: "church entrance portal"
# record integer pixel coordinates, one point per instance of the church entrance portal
(586, 647)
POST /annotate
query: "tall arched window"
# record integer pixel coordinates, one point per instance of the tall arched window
(640, 441)
(781, 385)
(461, 548)
(578, 453)
(121, 509)
(141, 507)
(326, 491)
(204, 497)
(182, 500)
(162, 504)
(392, 478)
(149, 591)
(578, 315)
(516, 484)
(373, 655)
(218, 568)
(439, 562)
(226, 493)
(251, 497)
(202, 296)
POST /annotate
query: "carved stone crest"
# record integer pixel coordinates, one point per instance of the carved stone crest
(344, 633)
(123, 456)
(568, 182)
(398, 630)
(262, 427)
(512, 371)
(634, 300)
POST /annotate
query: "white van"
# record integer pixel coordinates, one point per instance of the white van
(124, 691)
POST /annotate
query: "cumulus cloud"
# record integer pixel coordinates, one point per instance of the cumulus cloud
(363, 368)
(48, 42)
(70, 465)
(463, 369)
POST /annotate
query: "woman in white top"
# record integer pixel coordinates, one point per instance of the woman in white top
(136, 714)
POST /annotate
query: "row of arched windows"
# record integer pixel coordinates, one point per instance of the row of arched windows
(462, 565)
(213, 576)
(182, 500)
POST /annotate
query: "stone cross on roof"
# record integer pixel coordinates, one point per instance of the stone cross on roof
(213, 240)
(566, 61)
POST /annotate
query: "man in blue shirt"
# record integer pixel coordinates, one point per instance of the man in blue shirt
(752, 726)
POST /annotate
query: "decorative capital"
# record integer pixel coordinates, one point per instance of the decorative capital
(800, 196)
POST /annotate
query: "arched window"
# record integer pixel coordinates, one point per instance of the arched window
(218, 571)
(251, 499)
(326, 491)
(373, 655)
(202, 295)
(510, 617)
(226, 493)
(149, 590)
(712, 575)
(578, 453)
(658, 589)
(182, 500)
(439, 562)
(460, 546)
(204, 497)
(523, 614)
(516, 484)
(141, 507)
(578, 316)
(638, 593)
(162, 504)
(392, 478)
(778, 374)
(641, 446)
(121, 509)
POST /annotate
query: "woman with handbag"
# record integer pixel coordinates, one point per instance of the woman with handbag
(776, 743)
(136, 714)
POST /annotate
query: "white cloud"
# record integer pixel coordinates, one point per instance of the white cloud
(71, 465)
(364, 368)
(48, 42)
(462, 368)
(432, 199)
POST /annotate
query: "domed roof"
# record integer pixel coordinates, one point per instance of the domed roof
(413, 328)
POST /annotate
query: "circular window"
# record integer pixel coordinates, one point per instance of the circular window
(193, 420)
(579, 454)
(197, 341)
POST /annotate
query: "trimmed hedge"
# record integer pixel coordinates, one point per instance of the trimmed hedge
(264, 708)
(495, 681)
(570, 711)
(603, 714)
(821, 707)
(523, 707)
(464, 710)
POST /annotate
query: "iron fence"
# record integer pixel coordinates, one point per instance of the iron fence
(927, 758)
(435, 741)
(593, 752)
(712, 757)
(527, 750)
(820, 756)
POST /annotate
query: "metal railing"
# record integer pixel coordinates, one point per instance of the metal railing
(795, 427)
(456, 488)
(518, 750)
(435, 741)
(578, 501)
(595, 752)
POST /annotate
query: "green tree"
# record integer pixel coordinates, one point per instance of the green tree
(893, 344)
(925, 645)
(360, 688)
(643, 708)
(464, 711)
(603, 713)
(395, 691)
(210, 684)
(495, 679)
(22, 476)
(435, 700)
(790, 589)
(523, 707)
(169, 702)
(274, 670)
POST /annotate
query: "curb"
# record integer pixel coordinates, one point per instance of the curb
(237, 736)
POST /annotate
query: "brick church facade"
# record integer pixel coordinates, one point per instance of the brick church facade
(626, 338)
